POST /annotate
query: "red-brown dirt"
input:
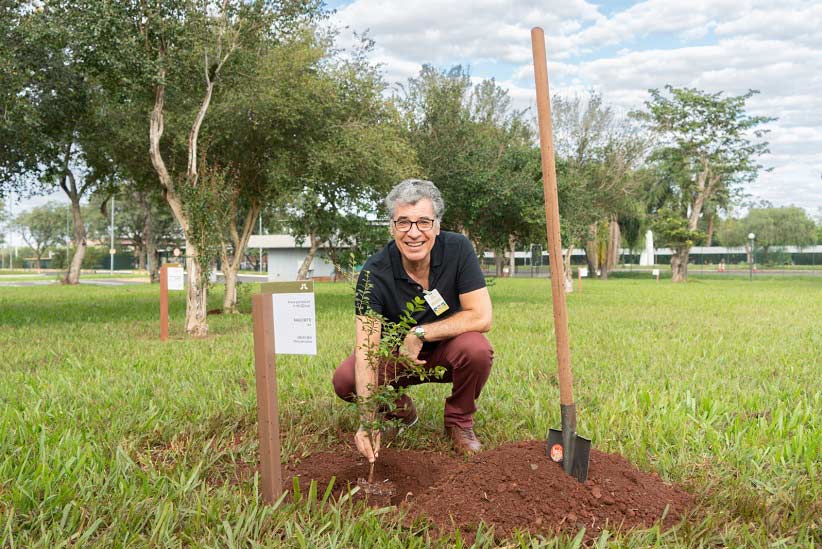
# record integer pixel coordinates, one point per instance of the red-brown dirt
(514, 486)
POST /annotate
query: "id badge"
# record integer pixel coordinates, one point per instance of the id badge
(436, 302)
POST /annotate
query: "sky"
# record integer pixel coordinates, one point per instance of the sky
(621, 49)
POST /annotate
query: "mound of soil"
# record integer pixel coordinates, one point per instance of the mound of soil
(514, 486)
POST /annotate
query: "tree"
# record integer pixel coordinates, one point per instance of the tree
(508, 207)
(479, 152)
(785, 226)
(709, 146)
(51, 116)
(42, 227)
(598, 176)
(438, 126)
(176, 59)
(285, 99)
(141, 219)
(357, 154)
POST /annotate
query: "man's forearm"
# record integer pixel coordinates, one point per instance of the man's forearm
(456, 324)
(365, 376)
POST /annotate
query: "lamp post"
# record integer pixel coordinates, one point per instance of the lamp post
(111, 250)
(752, 238)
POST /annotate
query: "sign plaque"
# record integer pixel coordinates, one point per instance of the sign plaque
(176, 278)
(295, 326)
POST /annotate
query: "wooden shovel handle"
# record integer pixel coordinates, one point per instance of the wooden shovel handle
(549, 180)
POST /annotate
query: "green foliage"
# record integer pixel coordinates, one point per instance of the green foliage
(478, 151)
(708, 148)
(42, 227)
(598, 159)
(787, 226)
(207, 208)
(671, 230)
(348, 153)
(382, 398)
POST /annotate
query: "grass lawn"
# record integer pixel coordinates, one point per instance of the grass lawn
(110, 438)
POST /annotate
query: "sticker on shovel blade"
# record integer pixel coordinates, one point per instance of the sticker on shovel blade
(556, 453)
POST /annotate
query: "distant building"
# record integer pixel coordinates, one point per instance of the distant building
(285, 256)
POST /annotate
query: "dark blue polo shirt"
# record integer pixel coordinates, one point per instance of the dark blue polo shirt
(454, 270)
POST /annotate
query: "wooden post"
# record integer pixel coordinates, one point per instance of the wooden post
(164, 303)
(262, 312)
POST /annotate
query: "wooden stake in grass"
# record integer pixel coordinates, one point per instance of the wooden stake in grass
(262, 312)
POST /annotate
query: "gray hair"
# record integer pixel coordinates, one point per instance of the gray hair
(412, 191)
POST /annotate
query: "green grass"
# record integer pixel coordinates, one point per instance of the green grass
(110, 438)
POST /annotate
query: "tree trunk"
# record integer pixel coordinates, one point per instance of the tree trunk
(479, 251)
(231, 263)
(710, 234)
(72, 276)
(612, 248)
(499, 259)
(706, 185)
(152, 262)
(591, 251)
(149, 240)
(230, 281)
(679, 265)
(512, 259)
(567, 271)
(196, 313)
(196, 296)
(314, 244)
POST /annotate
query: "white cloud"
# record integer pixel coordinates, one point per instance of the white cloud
(728, 45)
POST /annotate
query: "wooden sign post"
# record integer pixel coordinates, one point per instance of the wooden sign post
(171, 278)
(268, 419)
(291, 304)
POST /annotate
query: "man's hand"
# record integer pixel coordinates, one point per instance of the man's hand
(411, 347)
(363, 442)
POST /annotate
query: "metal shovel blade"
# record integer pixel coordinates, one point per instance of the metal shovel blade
(573, 454)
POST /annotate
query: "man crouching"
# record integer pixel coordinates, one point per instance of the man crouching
(442, 268)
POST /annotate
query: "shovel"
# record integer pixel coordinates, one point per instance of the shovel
(565, 446)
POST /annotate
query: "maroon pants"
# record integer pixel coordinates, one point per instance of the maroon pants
(467, 360)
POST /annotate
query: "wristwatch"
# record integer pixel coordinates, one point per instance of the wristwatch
(419, 331)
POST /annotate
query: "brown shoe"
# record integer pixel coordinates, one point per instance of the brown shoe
(464, 440)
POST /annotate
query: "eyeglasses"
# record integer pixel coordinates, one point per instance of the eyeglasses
(423, 224)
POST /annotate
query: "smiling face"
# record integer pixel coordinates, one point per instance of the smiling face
(415, 245)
